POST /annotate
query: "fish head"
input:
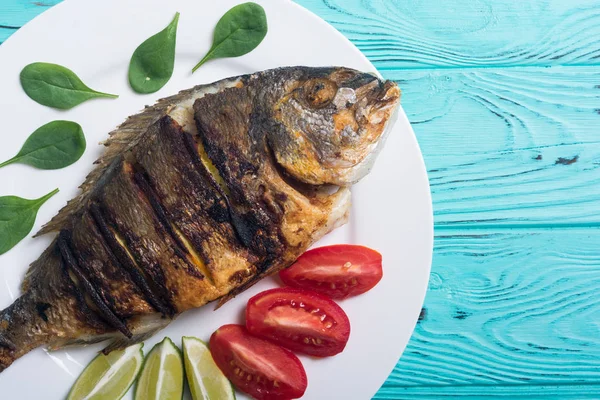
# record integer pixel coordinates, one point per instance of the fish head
(332, 123)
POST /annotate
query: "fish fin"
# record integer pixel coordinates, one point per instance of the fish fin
(122, 342)
(77, 342)
(143, 328)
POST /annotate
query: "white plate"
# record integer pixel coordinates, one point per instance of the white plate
(391, 207)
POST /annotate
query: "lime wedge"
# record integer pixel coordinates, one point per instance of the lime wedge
(162, 375)
(109, 377)
(206, 380)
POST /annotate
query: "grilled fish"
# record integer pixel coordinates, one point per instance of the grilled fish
(197, 198)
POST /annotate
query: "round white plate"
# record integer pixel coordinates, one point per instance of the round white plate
(391, 207)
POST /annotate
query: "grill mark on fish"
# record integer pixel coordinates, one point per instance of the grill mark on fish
(183, 250)
(128, 211)
(121, 205)
(152, 271)
(218, 118)
(91, 317)
(41, 309)
(207, 168)
(126, 261)
(192, 202)
(203, 163)
(6, 343)
(251, 224)
(210, 168)
(112, 281)
(194, 255)
(71, 264)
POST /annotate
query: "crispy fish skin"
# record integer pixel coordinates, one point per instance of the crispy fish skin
(196, 199)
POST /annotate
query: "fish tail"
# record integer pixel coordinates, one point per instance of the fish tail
(49, 311)
(19, 330)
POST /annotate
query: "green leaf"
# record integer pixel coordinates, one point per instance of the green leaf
(151, 65)
(238, 32)
(55, 86)
(52, 146)
(17, 216)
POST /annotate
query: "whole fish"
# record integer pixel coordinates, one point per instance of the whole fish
(197, 198)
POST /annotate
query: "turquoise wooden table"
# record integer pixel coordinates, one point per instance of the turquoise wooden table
(504, 97)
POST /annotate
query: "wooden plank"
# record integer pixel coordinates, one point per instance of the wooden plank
(467, 33)
(510, 147)
(16, 13)
(506, 309)
(447, 33)
(512, 392)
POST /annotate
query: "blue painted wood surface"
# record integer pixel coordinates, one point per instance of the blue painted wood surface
(504, 97)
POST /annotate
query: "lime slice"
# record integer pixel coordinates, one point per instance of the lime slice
(109, 377)
(162, 375)
(206, 380)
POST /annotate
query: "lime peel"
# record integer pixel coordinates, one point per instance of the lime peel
(164, 359)
(116, 372)
(205, 379)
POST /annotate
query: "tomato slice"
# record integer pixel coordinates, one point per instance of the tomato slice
(257, 367)
(337, 271)
(300, 320)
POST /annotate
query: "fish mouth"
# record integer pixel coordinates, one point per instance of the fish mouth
(386, 98)
(388, 94)
(384, 101)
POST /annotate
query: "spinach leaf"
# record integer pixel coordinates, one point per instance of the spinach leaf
(238, 32)
(55, 86)
(151, 65)
(17, 216)
(52, 146)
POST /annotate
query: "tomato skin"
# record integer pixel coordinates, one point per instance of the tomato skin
(337, 271)
(239, 355)
(300, 320)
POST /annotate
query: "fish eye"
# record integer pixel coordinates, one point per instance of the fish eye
(319, 92)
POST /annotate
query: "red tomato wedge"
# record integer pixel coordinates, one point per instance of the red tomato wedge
(257, 367)
(337, 271)
(300, 320)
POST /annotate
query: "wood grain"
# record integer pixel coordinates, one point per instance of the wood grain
(508, 147)
(507, 309)
(476, 392)
(467, 33)
(16, 13)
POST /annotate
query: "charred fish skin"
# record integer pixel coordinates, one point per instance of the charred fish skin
(196, 199)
